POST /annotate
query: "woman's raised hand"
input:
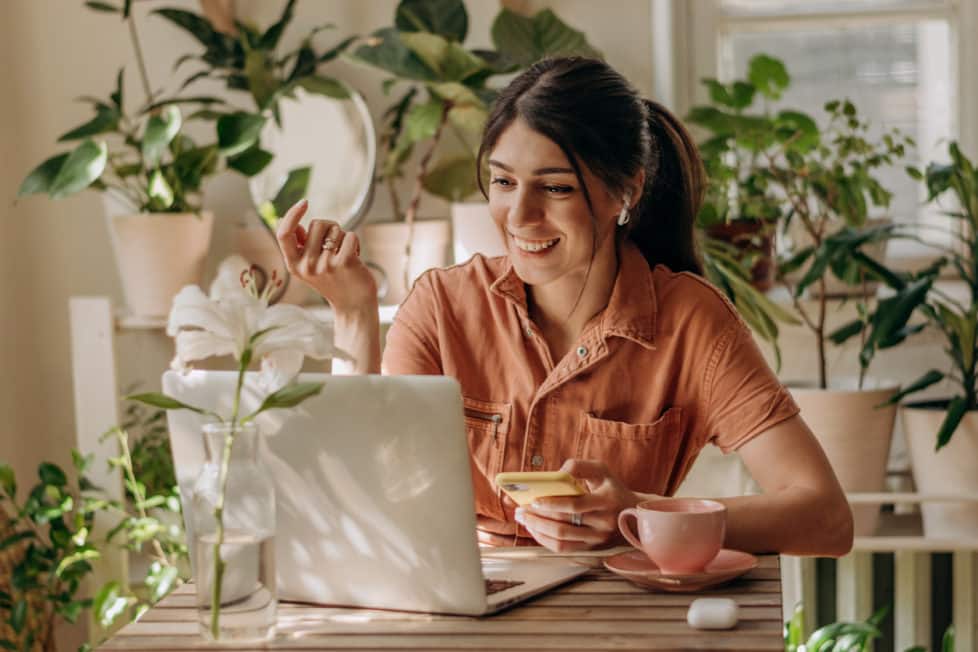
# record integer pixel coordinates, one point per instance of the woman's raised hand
(327, 259)
(569, 523)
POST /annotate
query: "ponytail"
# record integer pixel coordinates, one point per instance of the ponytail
(664, 230)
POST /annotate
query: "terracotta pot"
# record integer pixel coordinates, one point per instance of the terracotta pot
(157, 254)
(257, 245)
(751, 237)
(384, 243)
(951, 470)
(474, 232)
(855, 436)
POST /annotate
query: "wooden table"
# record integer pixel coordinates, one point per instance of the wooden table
(599, 611)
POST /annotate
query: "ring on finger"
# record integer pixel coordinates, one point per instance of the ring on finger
(576, 520)
(329, 244)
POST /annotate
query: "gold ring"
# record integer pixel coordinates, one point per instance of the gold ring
(576, 520)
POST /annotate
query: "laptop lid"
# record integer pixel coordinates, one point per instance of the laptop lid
(374, 495)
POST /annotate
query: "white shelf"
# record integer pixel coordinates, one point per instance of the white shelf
(880, 498)
(125, 321)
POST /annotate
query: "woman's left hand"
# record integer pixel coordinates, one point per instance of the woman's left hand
(551, 521)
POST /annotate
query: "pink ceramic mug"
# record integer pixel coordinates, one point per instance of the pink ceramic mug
(680, 535)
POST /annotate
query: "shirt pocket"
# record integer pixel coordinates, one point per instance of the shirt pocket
(487, 425)
(641, 455)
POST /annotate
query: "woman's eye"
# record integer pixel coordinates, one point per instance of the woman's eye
(558, 190)
(499, 181)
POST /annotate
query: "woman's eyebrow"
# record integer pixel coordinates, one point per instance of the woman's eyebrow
(538, 171)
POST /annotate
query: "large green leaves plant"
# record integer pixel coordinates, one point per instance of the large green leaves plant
(780, 166)
(143, 156)
(248, 60)
(445, 87)
(955, 317)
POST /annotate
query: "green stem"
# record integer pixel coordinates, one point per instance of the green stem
(219, 507)
(139, 59)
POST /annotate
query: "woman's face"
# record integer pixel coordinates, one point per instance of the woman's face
(537, 203)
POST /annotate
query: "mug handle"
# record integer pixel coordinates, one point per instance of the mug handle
(626, 530)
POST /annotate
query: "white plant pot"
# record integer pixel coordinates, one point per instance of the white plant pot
(949, 471)
(384, 245)
(474, 232)
(157, 254)
(855, 436)
(257, 245)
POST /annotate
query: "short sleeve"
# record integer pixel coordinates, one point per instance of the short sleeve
(743, 395)
(412, 340)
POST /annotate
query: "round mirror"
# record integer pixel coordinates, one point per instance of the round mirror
(325, 149)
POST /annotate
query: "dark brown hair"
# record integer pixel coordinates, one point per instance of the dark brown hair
(598, 119)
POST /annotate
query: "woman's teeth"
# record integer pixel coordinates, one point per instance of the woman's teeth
(533, 246)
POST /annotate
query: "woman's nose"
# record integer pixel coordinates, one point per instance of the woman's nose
(523, 210)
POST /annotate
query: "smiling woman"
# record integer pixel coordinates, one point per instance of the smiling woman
(594, 346)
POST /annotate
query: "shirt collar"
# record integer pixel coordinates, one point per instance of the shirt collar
(631, 310)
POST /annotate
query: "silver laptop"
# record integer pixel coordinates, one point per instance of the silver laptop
(374, 500)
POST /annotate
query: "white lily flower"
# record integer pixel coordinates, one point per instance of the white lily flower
(225, 322)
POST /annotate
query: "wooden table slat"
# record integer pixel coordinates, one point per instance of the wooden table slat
(599, 611)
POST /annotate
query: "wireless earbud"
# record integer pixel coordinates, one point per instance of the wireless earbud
(623, 216)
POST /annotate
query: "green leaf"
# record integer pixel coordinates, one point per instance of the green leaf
(8, 480)
(269, 40)
(236, 132)
(103, 122)
(385, 50)
(160, 580)
(925, 381)
(103, 6)
(51, 474)
(160, 131)
(163, 402)
(41, 177)
(843, 333)
(181, 100)
(108, 604)
(955, 412)
(326, 86)
(293, 189)
(219, 46)
(768, 75)
(16, 538)
(287, 397)
(259, 69)
(421, 122)
(450, 61)
(447, 18)
(892, 314)
(71, 610)
(70, 560)
(251, 161)
(527, 40)
(82, 167)
(947, 641)
(159, 191)
(18, 616)
(796, 261)
(453, 179)
(81, 462)
(116, 95)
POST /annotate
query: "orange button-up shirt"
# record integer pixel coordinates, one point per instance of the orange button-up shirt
(667, 367)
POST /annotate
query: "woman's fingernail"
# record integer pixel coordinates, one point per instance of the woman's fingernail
(301, 203)
(520, 515)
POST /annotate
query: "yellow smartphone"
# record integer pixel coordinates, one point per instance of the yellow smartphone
(525, 487)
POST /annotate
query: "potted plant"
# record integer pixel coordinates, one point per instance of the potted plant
(445, 92)
(949, 467)
(821, 181)
(249, 62)
(153, 171)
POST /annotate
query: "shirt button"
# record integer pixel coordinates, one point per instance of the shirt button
(581, 351)
(537, 460)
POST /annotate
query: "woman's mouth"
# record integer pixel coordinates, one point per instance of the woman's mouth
(534, 246)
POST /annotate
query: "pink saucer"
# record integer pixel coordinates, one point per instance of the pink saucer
(636, 567)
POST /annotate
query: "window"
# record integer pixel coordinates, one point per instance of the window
(898, 60)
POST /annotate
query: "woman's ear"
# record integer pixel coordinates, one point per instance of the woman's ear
(637, 186)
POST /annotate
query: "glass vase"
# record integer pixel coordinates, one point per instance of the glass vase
(234, 538)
